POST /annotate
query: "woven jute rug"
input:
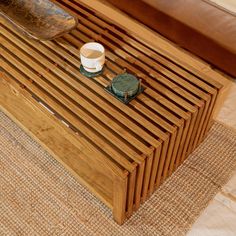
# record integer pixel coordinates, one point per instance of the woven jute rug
(39, 197)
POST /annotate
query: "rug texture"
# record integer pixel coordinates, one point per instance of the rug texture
(39, 197)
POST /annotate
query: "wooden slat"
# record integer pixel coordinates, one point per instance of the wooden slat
(120, 200)
(139, 144)
(71, 92)
(69, 80)
(147, 176)
(154, 41)
(130, 206)
(130, 193)
(151, 53)
(132, 172)
(46, 72)
(73, 40)
(147, 101)
(154, 172)
(139, 184)
(160, 78)
(104, 29)
(57, 141)
(122, 161)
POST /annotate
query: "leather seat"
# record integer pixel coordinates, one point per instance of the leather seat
(198, 26)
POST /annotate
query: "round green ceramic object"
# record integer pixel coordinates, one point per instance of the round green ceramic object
(125, 85)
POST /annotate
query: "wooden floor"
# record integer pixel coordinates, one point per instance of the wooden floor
(122, 153)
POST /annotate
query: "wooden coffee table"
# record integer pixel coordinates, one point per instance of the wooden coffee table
(121, 153)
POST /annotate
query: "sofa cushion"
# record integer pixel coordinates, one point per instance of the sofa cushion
(198, 26)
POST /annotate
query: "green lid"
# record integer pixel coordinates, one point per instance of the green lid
(125, 85)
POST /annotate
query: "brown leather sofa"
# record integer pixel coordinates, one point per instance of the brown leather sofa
(198, 26)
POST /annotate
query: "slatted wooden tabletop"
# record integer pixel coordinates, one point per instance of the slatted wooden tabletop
(127, 150)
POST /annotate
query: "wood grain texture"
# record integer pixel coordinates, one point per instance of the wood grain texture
(132, 148)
